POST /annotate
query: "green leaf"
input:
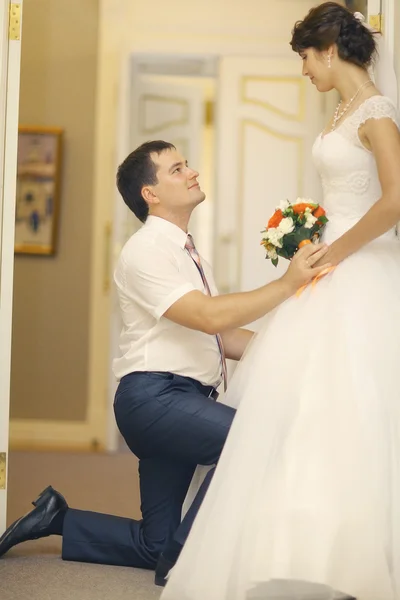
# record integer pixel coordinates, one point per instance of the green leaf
(285, 252)
(275, 261)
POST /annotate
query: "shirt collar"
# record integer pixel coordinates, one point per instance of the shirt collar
(175, 233)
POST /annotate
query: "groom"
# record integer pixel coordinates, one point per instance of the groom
(177, 334)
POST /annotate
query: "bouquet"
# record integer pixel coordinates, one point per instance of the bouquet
(291, 226)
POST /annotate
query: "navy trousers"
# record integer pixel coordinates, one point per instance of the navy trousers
(172, 425)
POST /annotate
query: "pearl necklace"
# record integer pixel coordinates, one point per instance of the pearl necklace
(338, 115)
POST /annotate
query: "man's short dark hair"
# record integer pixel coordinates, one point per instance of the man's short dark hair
(139, 170)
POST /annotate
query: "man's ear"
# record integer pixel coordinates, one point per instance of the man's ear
(149, 196)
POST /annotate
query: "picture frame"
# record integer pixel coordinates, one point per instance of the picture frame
(37, 209)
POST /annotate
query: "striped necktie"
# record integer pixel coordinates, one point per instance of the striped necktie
(191, 248)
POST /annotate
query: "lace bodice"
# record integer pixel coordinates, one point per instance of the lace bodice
(348, 170)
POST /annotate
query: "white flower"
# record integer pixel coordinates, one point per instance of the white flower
(274, 236)
(272, 254)
(310, 220)
(286, 226)
(303, 201)
(284, 204)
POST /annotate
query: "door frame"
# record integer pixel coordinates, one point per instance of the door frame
(10, 57)
(387, 11)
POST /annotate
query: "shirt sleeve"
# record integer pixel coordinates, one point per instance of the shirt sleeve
(152, 279)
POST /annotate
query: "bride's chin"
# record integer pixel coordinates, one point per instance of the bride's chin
(324, 87)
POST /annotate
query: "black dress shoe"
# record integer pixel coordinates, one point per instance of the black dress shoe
(37, 523)
(162, 569)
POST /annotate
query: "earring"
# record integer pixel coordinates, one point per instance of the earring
(329, 61)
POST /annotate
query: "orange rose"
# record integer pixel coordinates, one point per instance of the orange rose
(275, 219)
(319, 212)
(300, 208)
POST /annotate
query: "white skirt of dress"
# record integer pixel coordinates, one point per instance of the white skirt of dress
(305, 502)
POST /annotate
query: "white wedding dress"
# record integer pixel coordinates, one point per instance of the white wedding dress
(305, 502)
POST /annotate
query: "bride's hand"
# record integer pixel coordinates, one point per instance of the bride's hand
(303, 265)
(330, 257)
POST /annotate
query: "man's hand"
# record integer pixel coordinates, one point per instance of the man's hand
(306, 264)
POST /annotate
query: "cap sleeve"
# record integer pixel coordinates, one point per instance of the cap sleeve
(377, 107)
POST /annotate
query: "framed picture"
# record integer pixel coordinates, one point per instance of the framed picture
(38, 190)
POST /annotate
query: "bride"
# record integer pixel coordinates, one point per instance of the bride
(305, 502)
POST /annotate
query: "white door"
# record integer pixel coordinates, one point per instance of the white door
(160, 108)
(268, 118)
(10, 49)
(166, 108)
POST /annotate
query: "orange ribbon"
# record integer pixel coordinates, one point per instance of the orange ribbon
(315, 280)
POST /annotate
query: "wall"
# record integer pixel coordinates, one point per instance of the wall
(51, 294)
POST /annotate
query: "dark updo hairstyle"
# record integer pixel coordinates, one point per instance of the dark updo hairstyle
(330, 23)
